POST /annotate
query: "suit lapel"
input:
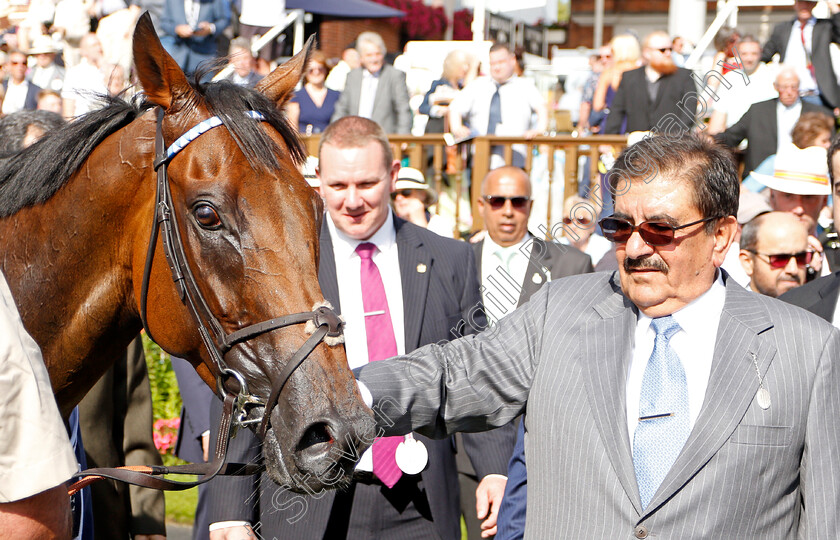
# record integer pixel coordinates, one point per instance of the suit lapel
(535, 276)
(605, 359)
(829, 295)
(381, 88)
(326, 268)
(416, 267)
(733, 383)
(478, 249)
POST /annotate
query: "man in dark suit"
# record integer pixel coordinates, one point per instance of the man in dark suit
(430, 287)
(663, 401)
(190, 36)
(804, 44)
(20, 93)
(375, 90)
(766, 123)
(513, 265)
(653, 91)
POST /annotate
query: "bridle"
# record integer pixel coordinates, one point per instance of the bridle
(231, 385)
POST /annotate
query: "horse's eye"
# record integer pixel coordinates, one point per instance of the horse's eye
(207, 217)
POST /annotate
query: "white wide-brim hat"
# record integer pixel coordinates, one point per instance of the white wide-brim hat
(42, 45)
(799, 171)
(411, 178)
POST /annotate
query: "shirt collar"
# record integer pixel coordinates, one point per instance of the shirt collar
(703, 311)
(783, 107)
(345, 247)
(493, 247)
(811, 22)
(368, 75)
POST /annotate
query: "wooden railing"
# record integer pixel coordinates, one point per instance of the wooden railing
(430, 154)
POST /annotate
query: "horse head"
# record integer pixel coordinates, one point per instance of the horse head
(248, 227)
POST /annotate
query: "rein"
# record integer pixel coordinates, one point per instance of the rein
(230, 383)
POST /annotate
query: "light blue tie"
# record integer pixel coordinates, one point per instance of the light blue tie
(663, 412)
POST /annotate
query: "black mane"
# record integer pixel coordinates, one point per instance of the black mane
(35, 174)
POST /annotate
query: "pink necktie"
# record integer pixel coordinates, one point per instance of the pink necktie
(381, 345)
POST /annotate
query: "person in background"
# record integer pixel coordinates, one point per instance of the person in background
(579, 217)
(830, 238)
(456, 67)
(375, 90)
(598, 63)
(21, 129)
(20, 94)
(775, 253)
(86, 80)
(350, 60)
(411, 199)
(190, 35)
(768, 125)
(804, 44)
(501, 104)
(651, 92)
(626, 55)
(750, 83)
(243, 64)
(311, 108)
(256, 18)
(46, 73)
(50, 100)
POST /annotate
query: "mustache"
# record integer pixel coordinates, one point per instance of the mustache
(645, 263)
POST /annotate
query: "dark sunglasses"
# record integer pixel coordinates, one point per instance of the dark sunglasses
(317, 69)
(654, 233)
(497, 201)
(781, 260)
(17, 63)
(404, 192)
(663, 50)
(579, 221)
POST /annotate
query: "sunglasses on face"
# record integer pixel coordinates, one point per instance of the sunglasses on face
(406, 193)
(781, 260)
(17, 63)
(654, 233)
(663, 50)
(318, 69)
(579, 221)
(496, 202)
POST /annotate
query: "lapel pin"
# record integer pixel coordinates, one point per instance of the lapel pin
(421, 268)
(537, 278)
(762, 397)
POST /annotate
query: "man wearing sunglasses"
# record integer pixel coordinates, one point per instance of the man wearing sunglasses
(775, 253)
(661, 401)
(653, 91)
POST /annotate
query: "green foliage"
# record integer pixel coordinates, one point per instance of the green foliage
(166, 401)
(180, 505)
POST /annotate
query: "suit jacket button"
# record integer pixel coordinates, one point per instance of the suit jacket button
(641, 531)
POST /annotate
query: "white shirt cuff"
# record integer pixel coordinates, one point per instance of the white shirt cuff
(496, 475)
(228, 524)
(367, 397)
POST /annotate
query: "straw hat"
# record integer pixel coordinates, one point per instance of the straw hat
(411, 178)
(799, 171)
(42, 45)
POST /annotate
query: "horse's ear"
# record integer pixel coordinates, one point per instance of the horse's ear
(279, 85)
(163, 81)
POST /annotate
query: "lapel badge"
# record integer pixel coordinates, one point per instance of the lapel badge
(537, 278)
(421, 268)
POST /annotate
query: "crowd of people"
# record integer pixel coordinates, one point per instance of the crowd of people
(658, 388)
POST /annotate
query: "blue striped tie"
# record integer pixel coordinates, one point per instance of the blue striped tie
(663, 412)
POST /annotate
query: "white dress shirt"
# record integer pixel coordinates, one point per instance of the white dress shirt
(367, 95)
(348, 267)
(15, 97)
(786, 118)
(795, 54)
(503, 271)
(694, 344)
(836, 318)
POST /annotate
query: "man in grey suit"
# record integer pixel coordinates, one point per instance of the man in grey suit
(375, 90)
(663, 400)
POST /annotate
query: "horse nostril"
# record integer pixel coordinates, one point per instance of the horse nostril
(315, 434)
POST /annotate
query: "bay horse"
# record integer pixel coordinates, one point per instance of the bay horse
(76, 211)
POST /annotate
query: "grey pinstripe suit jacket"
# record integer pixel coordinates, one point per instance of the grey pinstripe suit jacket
(744, 472)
